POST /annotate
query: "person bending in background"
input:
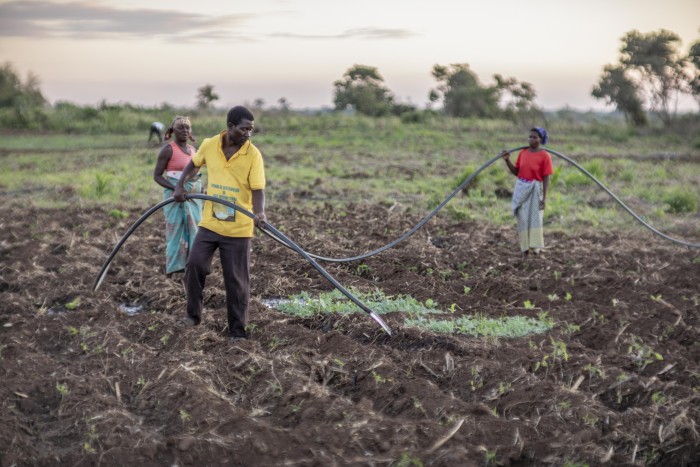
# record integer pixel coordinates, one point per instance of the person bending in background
(533, 168)
(235, 173)
(156, 129)
(181, 219)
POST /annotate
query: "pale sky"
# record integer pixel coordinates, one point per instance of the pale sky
(147, 52)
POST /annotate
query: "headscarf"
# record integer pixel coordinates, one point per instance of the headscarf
(542, 132)
(176, 120)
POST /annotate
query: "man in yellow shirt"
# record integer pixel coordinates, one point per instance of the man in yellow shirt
(236, 173)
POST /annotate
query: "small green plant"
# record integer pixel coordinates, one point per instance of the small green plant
(490, 458)
(599, 317)
(467, 290)
(642, 354)
(466, 173)
(528, 305)
(621, 379)
(589, 419)
(62, 389)
(658, 398)
(407, 460)
(559, 351)
(559, 355)
(101, 182)
(141, 381)
(252, 371)
(276, 342)
(184, 416)
(570, 463)
(91, 434)
(297, 407)
(476, 381)
(503, 388)
(276, 387)
(378, 378)
(417, 404)
(594, 370)
(681, 201)
(164, 340)
(118, 214)
(73, 304)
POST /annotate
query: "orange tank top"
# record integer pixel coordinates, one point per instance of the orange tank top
(180, 158)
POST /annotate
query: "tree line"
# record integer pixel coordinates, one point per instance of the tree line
(649, 78)
(458, 89)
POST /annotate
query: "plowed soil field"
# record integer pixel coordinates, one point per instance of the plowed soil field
(109, 378)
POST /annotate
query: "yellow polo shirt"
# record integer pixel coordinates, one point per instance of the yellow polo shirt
(233, 180)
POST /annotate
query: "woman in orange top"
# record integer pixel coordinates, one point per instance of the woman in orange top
(533, 168)
(181, 219)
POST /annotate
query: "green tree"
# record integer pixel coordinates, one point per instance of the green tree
(284, 104)
(362, 88)
(462, 93)
(13, 91)
(654, 57)
(651, 63)
(518, 99)
(619, 90)
(21, 103)
(694, 62)
(206, 96)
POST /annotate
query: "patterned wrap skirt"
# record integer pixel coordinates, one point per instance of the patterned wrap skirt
(526, 208)
(181, 220)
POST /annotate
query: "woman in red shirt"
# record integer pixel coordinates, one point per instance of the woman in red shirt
(533, 168)
(181, 219)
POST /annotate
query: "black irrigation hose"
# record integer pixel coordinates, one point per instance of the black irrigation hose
(267, 228)
(623, 205)
(469, 180)
(420, 224)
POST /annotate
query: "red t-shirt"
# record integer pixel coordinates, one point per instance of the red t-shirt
(534, 165)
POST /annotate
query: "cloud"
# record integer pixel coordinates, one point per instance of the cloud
(362, 33)
(84, 20)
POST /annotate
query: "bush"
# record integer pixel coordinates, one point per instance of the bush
(466, 173)
(680, 201)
